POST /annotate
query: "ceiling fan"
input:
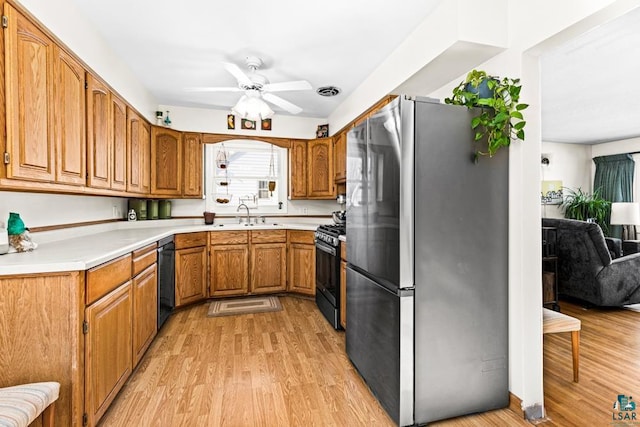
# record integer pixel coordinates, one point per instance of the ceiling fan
(257, 89)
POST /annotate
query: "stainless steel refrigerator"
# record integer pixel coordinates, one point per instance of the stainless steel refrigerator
(427, 251)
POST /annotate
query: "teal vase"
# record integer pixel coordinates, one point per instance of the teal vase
(15, 225)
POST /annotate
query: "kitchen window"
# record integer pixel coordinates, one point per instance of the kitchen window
(242, 171)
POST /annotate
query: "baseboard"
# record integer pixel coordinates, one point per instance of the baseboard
(533, 414)
(515, 404)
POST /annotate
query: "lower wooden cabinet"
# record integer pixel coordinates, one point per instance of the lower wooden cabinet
(268, 261)
(244, 263)
(302, 263)
(268, 267)
(108, 361)
(41, 332)
(229, 270)
(191, 275)
(145, 311)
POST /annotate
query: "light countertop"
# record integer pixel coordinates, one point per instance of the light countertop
(87, 251)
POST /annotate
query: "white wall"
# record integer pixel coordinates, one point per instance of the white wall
(452, 23)
(616, 147)
(194, 207)
(569, 163)
(38, 210)
(215, 121)
(70, 26)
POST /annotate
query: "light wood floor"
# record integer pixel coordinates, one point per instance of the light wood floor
(609, 366)
(290, 368)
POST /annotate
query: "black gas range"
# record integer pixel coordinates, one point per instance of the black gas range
(328, 271)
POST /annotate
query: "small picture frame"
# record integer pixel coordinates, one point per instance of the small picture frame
(265, 124)
(231, 121)
(551, 193)
(248, 124)
(323, 131)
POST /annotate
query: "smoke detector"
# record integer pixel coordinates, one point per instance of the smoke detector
(328, 91)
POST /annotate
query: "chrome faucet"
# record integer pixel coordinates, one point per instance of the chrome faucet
(247, 208)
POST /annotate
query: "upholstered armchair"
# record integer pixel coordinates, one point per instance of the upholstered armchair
(586, 270)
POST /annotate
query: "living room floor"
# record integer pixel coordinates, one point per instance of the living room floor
(609, 366)
(290, 368)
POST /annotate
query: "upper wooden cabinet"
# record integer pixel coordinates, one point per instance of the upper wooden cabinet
(166, 162)
(298, 169)
(118, 122)
(29, 91)
(139, 150)
(106, 137)
(192, 165)
(340, 157)
(145, 164)
(320, 169)
(311, 173)
(69, 110)
(98, 134)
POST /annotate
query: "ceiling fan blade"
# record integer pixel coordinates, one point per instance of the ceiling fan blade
(240, 75)
(284, 86)
(282, 103)
(213, 89)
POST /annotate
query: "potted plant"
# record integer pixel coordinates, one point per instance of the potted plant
(587, 207)
(500, 118)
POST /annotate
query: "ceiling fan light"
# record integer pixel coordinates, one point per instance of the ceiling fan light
(242, 107)
(252, 108)
(266, 111)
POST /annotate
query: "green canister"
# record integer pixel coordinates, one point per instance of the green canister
(164, 209)
(152, 209)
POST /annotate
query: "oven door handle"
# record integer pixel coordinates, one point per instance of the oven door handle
(326, 248)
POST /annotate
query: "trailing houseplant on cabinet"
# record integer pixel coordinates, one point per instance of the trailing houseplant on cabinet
(500, 119)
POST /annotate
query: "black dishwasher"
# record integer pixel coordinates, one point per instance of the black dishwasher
(166, 279)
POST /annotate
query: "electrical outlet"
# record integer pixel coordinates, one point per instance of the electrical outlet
(305, 211)
(114, 211)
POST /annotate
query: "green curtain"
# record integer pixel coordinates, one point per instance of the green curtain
(614, 182)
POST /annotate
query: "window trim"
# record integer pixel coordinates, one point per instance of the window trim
(232, 208)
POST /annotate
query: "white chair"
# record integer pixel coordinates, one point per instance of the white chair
(20, 405)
